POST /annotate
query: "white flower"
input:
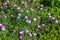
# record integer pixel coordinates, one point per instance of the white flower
(34, 19)
(18, 8)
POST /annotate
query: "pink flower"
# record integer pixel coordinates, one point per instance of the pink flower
(21, 37)
(3, 28)
(34, 34)
(26, 17)
(27, 31)
(0, 24)
(38, 26)
(18, 17)
(18, 8)
(22, 32)
(43, 25)
(14, 5)
(39, 17)
(31, 9)
(49, 14)
(53, 18)
(28, 21)
(56, 21)
(12, 15)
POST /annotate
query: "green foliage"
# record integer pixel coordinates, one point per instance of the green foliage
(50, 32)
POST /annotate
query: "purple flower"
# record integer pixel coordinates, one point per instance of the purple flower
(3, 28)
(28, 21)
(5, 3)
(22, 32)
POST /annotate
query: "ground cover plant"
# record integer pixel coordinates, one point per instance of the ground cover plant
(29, 19)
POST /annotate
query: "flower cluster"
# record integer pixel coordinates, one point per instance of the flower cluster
(53, 18)
(28, 32)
